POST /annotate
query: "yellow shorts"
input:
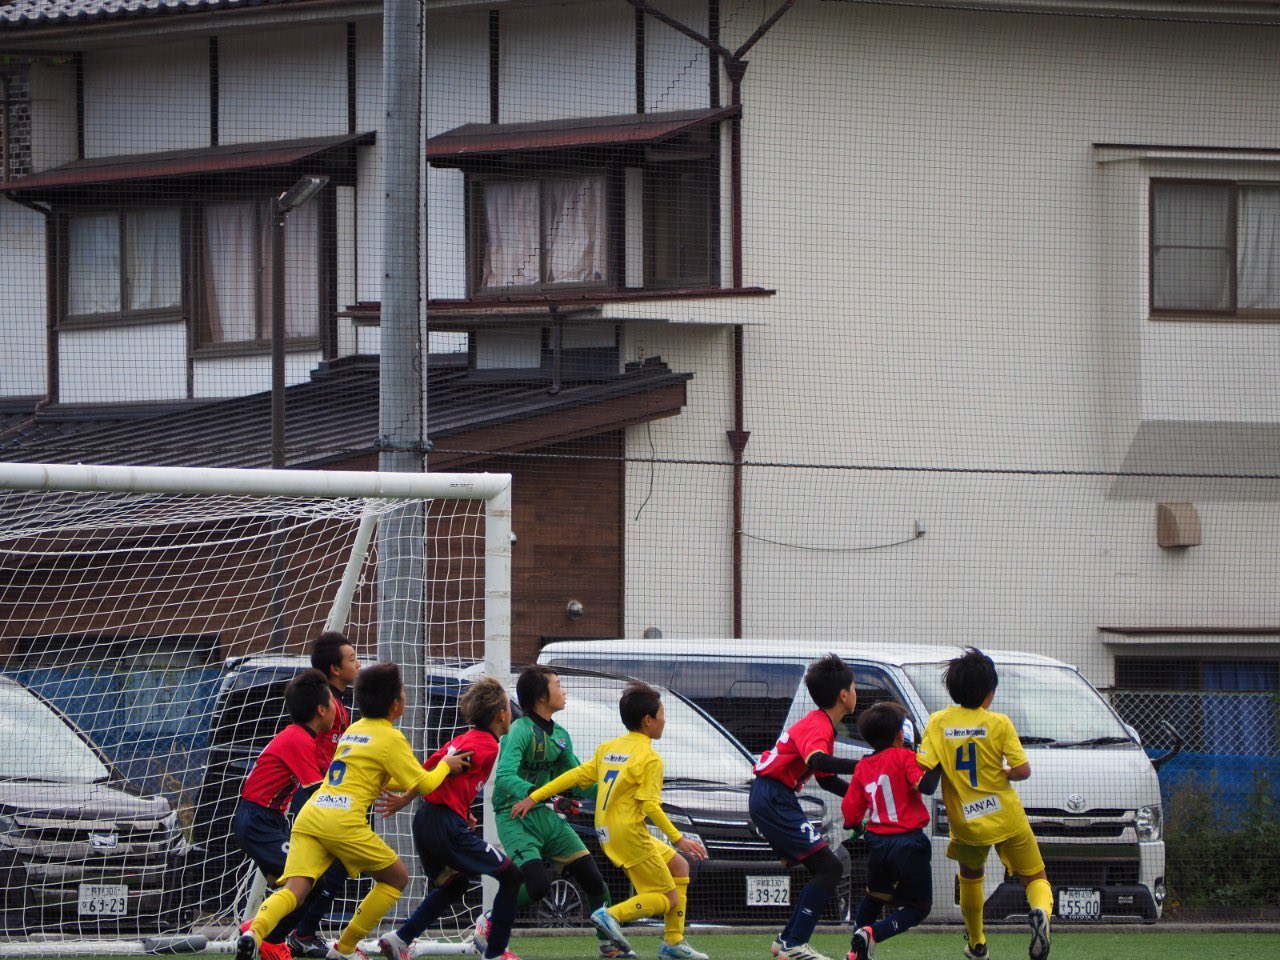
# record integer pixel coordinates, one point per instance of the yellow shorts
(1020, 853)
(361, 851)
(652, 875)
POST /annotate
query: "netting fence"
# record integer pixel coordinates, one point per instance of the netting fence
(875, 327)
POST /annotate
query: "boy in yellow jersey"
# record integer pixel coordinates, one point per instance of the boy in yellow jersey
(971, 746)
(627, 772)
(333, 825)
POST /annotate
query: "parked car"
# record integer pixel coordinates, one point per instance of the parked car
(1093, 798)
(82, 851)
(708, 773)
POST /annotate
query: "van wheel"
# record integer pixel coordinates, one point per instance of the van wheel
(564, 906)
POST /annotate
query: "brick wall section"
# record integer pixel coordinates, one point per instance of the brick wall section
(19, 120)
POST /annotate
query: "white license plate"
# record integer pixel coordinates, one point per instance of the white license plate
(103, 900)
(1076, 904)
(768, 891)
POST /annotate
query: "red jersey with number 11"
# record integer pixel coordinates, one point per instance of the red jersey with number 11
(788, 761)
(884, 786)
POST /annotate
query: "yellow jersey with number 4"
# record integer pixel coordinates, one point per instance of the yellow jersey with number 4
(973, 747)
(627, 772)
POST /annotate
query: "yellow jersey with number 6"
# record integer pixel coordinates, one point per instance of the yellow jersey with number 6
(973, 747)
(627, 772)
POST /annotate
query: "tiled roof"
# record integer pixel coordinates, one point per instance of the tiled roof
(49, 12)
(329, 419)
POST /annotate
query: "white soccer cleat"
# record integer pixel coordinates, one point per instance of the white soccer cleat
(393, 948)
(1039, 935)
(801, 951)
(679, 951)
(480, 935)
(776, 947)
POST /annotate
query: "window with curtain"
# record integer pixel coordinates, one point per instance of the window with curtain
(543, 232)
(120, 264)
(1215, 248)
(236, 275)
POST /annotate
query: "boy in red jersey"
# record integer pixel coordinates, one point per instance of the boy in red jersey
(804, 750)
(886, 792)
(452, 853)
(335, 657)
(288, 762)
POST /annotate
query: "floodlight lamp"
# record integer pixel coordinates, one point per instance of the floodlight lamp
(300, 193)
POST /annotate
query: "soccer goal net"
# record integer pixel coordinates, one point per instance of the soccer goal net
(149, 621)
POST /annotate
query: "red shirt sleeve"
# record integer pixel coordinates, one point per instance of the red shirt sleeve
(298, 754)
(911, 770)
(854, 804)
(810, 738)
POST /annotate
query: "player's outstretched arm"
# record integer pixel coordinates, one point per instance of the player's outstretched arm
(579, 776)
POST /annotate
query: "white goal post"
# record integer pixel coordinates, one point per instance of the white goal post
(252, 564)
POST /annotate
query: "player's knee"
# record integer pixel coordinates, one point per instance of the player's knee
(826, 869)
(537, 881)
(510, 877)
(587, 874)
(678, 866)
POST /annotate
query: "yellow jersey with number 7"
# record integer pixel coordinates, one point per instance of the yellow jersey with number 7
(973, 747)
(627, 772)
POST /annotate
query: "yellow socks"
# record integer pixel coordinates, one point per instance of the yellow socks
(274, 909)
(971, 901)
(640, 906)
(376, 904)
(1040, 896)
(673, 928)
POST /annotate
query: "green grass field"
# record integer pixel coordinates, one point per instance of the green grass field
(1068, 945)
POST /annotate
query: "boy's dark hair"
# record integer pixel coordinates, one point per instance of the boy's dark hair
(639, 700)
(377, 687)
(326, 652)
(482, 701)
(825, 678)
(532, 685)
(305, 694)
(881, 723)
(970, 678)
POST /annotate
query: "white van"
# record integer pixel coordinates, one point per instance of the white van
(1093, 798)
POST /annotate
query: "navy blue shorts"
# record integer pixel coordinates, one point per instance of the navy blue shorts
(447, 846)
(776, 813)
(898, 868)
(263, 835)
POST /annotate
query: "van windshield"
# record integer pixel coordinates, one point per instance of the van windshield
(38, 744)
(691, 747)
(1048, 705)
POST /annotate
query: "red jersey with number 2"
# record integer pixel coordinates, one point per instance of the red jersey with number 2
(788, 761)
(458, 792)
(883, 789)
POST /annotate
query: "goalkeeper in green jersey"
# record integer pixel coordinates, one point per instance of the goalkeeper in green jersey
(536, 751)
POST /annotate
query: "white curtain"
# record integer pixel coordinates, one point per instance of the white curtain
(1192, 239)
(511, 234)
(231, 261)
(153, 258)
(302, 271)
(1258, 284)
(573, 217)
(93, 268)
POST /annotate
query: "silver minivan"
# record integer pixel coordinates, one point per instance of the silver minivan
(1093, 798)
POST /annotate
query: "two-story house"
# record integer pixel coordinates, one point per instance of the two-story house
(907, 320)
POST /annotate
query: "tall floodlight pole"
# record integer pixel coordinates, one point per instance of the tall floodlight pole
(402, 390)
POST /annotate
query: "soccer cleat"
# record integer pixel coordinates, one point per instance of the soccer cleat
(246, 947)
(863, 946)
(1039, 934)
(679, 951)
(393, 948)
(603, 921)
(274, 951)
(480, 936)
(610, 951)
(978, 952)
(505, 955)
(776, 947)
(801, 951)
(310, 946)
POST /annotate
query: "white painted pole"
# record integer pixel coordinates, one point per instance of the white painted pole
(351, 575)
(497, 585)
(258, 483)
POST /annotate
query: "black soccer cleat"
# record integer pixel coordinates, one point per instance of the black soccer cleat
(1039, 935)
(863, 946)
(978, 952)
(311, 946)
(246, 947)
